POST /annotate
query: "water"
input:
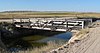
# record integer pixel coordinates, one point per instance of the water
(60, 37)
(63, 37)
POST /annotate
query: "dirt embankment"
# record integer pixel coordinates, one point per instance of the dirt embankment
(78, 35)
(84, 41)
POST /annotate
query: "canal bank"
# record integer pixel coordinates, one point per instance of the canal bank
(73, 43)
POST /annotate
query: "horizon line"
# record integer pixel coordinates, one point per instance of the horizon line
(50, 11)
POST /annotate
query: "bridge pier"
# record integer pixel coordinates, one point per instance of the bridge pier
(82, 24)
(66, 25)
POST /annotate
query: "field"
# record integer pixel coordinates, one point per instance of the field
(29, 14)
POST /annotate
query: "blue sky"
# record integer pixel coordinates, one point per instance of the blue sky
(51, 5)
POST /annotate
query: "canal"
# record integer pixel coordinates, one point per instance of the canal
(22, 38)
(38, 38)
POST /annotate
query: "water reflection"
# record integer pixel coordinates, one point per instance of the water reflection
(60, 37)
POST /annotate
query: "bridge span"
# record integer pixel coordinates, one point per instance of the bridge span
(53, 24)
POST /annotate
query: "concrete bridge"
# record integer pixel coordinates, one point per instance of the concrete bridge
(53, 24)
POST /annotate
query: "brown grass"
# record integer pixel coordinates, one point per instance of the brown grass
(79, 35)
(45, 14)
(44, 49)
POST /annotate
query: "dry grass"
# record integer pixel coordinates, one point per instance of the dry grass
(50, 46)
(95, 24)
(44, 49)
(47, 14)
(79, 35)
(83, 31)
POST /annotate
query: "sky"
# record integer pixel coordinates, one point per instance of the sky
(50, 5)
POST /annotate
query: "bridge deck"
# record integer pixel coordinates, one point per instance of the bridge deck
(52, 24)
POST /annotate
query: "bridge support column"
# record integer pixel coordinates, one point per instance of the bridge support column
(66, 25)
(82, 24)
(12, 20)
(91, 21)
(20, 20)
